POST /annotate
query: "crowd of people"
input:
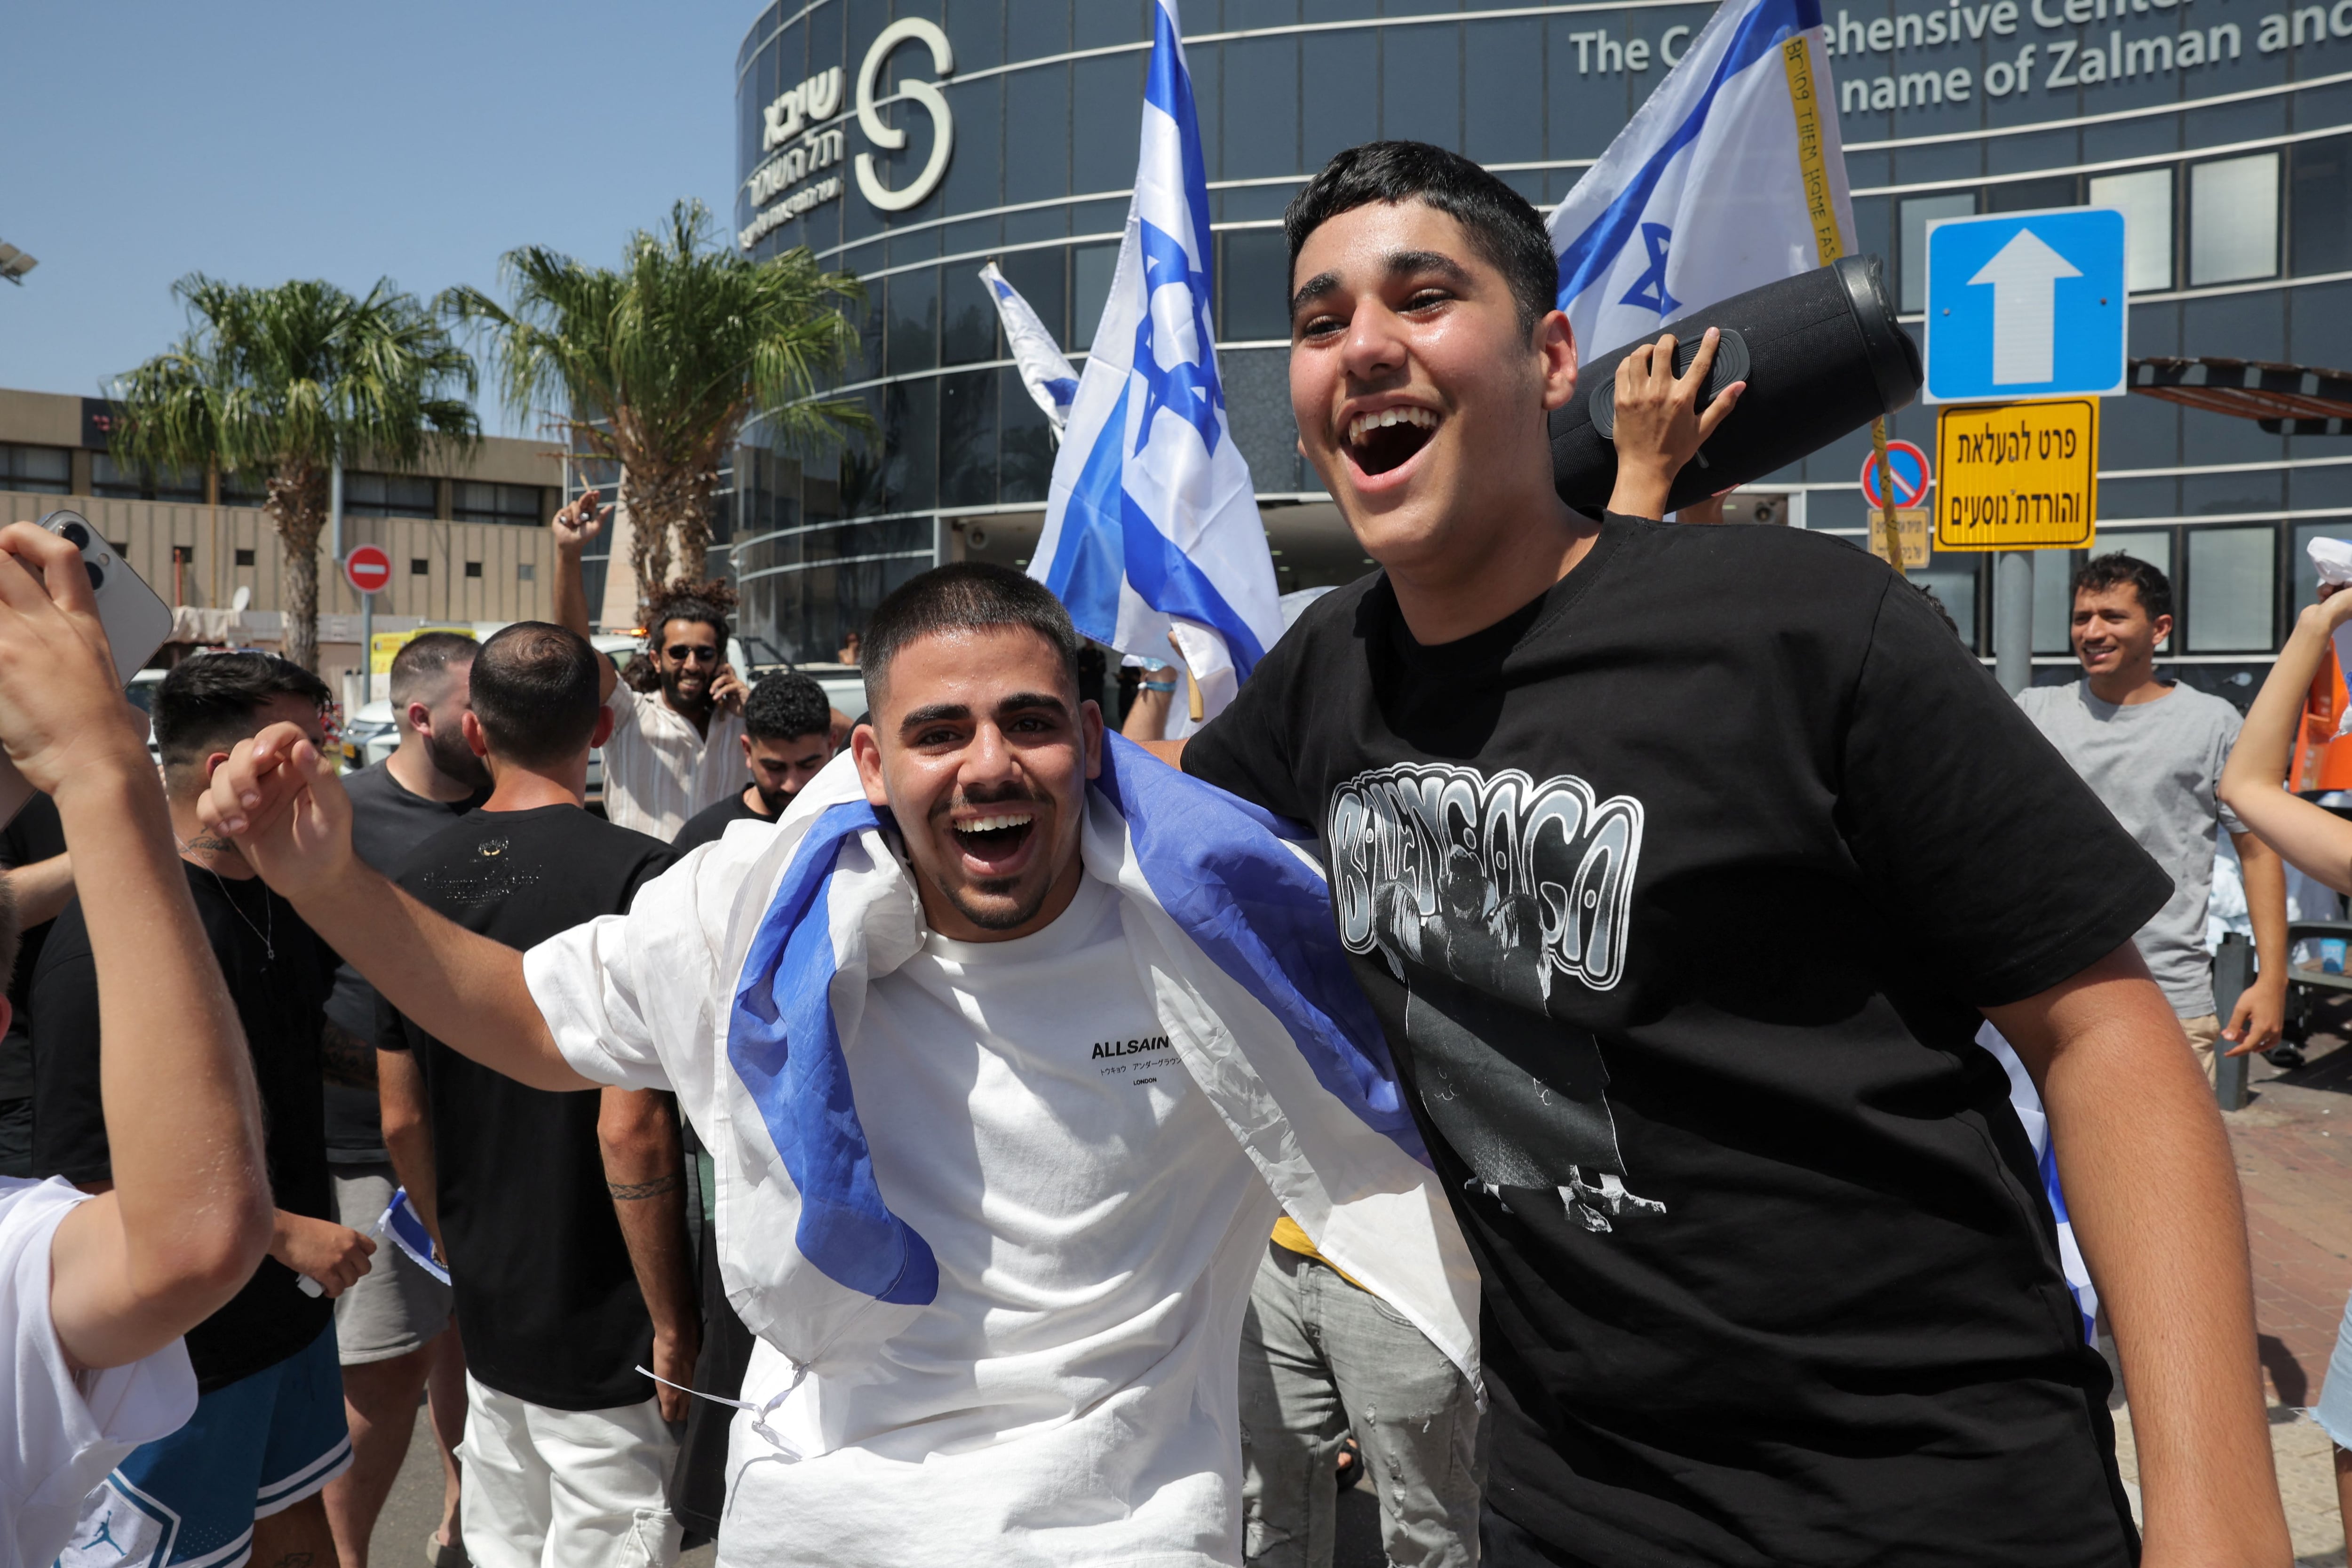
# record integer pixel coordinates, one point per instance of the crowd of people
(1525, 1050)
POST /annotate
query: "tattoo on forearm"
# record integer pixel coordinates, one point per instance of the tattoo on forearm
(345, 1058)
(631, 1192)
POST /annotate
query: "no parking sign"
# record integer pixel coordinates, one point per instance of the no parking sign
(1911, 473)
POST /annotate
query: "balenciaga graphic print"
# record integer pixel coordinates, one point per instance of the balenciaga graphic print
(1483, 895)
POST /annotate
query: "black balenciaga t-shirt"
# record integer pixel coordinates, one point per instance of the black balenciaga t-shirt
(548, 1303)
(1678, 892)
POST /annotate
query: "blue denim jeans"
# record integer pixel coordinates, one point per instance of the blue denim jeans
(1321, 1356)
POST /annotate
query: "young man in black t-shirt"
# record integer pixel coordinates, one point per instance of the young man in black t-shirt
(561, 1214)
(244, 1474)
(392, 1328)
(1681, 866)
(787, 739)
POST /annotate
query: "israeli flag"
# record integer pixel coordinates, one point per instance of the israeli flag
(1228, 922)
(2026, 1102)
(407, 1229)
(1729, 178)
(1151, 525)
(1052, 381)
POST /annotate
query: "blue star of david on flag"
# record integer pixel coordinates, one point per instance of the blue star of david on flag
(1649, 289)
(1152, 524)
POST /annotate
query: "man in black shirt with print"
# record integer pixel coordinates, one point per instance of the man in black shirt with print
(268, 1433)
(562, 1214)
(392, 1328)
(1682, 865)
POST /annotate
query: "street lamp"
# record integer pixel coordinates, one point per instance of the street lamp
(14, 264)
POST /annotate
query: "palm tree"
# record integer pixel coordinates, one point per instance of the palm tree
(658, 366)
(281, 384)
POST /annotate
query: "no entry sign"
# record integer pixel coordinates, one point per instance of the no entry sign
(1910, 466)
(367, 569)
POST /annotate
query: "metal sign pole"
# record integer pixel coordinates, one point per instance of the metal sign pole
(367, 649)
(2012, 620)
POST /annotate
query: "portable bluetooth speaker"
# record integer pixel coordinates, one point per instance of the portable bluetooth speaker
(1822, 355)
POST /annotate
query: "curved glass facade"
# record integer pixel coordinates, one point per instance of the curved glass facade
(2223, 128)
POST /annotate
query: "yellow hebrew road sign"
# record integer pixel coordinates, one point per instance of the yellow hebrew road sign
(2017, 475)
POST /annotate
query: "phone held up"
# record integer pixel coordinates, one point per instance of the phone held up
(136, 621)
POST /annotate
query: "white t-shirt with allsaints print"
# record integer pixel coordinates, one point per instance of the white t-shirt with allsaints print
(1069, 1397)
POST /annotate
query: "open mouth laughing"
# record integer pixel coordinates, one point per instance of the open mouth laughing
(1387, 438)
(994, 841)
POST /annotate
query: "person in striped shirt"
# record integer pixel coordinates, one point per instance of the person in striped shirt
(673, 750)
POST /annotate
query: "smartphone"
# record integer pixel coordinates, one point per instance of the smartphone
(136, 621)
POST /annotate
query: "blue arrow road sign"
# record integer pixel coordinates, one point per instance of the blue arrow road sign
(2026, 305)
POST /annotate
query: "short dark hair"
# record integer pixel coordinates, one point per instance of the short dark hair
(785, 704)
(424, 656)
(1500, 223)
(705, 602)
(2117, 570)
(967, 596)
(535, 694)
(212, 701)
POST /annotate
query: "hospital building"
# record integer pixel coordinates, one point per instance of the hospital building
(911, 142)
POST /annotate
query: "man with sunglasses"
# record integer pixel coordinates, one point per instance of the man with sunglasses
(673, 751)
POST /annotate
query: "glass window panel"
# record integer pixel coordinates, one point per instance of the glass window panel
(1953, 580)
(1261, 108)
(968, 439)
(42, 470)
(1038, 274)
(1334, 109)
(1033, 29)
(2144, 198)
(914, 321)
(2230, 589)
(387, 495)
(968, 325)
(108, 477)
(2053, 605)
(1254, 282)
(1037, 133)
(2319, 205)
(2031, 196)
(1105, 94)
(1091, 266)
(911, 468)
(1421, 86)
(2233, 219)
(1027, 441)
(472, 502)
(1918, 213)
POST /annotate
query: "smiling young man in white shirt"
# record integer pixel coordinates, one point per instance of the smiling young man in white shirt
(999, 1286)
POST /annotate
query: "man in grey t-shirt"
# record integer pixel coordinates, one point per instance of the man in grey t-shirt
(2153, 750)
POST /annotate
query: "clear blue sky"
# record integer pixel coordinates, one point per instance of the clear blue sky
(259, 141)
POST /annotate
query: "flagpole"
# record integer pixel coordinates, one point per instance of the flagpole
(1890, 534)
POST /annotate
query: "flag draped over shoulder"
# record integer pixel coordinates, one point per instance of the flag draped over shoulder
(1052, 384)
(1151, 524)
(1731, 175)
(1229, 925)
